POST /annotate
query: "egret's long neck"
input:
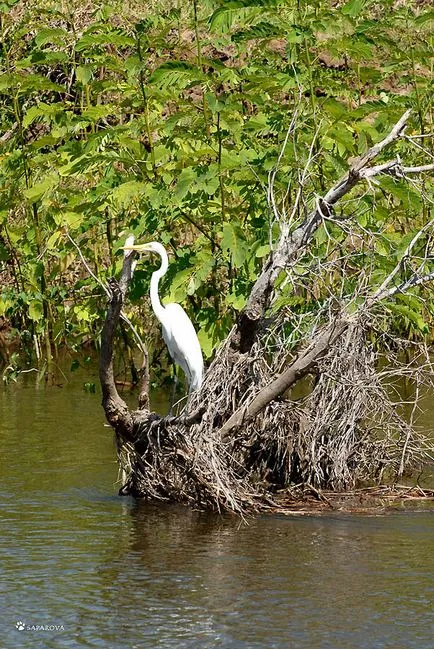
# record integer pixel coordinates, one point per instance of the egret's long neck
(155, 279)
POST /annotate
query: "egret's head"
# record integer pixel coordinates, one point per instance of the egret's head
(153, 246)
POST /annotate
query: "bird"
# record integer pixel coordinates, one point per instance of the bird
(178, 331)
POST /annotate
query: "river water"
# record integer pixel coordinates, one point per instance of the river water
(82, 567)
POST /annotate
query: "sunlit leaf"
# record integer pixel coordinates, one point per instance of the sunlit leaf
(223, 18)
(51, 35)
(234, 243)
(353, 7)
(176, 74)
(83, 73)
(36, 310)
(38, 190)
(184, 182)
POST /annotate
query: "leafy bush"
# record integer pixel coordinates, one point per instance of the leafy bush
(167, 124)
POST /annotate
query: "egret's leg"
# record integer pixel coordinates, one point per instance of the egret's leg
(187, 405)
(173, 391)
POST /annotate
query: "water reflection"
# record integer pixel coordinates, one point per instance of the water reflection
(281, 580)
(117, 573)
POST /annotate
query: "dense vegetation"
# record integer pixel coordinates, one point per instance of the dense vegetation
(164, 120)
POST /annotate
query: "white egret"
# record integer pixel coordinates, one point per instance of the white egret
(178, 330)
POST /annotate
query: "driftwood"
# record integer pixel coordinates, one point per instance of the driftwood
(243, 435)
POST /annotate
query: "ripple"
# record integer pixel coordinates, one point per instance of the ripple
(116, 572)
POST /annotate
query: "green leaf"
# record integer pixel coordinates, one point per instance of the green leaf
(126, 193)
(83, 314)
(5, 305)
(335, 108)
(234, 242)
(244, 11)
(53, 241)
(202, 266)
(25, 83)
(426, 17)
(353, 7)
(31, 114)
(176, 74)
(51, 35)
(415, 317)
(83, 73)
(400, 189)
(36, 310)
(36, 83)
(178, 286)
(381, 248)
(236, 300)
(206, 342)
(260, 30)
(95, 113)
(321, 235)
(7, 5)
(38, 190)
(94, 41)
(262, 251)
(230, 159)
(72, 220)
(42, 109)
(186, 178)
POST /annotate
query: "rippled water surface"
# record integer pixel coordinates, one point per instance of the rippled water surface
(113, 573)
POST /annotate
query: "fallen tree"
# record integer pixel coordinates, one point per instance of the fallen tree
(246, 434)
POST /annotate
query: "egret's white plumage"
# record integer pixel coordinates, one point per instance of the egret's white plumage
(178, 331)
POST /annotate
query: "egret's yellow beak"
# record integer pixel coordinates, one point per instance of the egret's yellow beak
(141, 247)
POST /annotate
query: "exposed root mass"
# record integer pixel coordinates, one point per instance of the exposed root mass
(347, 429)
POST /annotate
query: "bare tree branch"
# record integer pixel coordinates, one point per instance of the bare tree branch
(117, 412)
(291, 244)
(415, 280)
(381, 291)
(394, 168)
(144, 389)
(417, 170)
(299, 368)
(274, 170)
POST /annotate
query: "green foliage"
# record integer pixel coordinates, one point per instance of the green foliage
(127, 123)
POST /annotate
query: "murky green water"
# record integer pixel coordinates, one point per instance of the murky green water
(114, 573)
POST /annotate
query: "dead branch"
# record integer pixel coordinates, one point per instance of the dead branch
(382, 291)
(144, 370)
(394, 168)
(8, 134)
(305, 360)
(416, 280)
(117, 412)
(299, 368)
(292, 243)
